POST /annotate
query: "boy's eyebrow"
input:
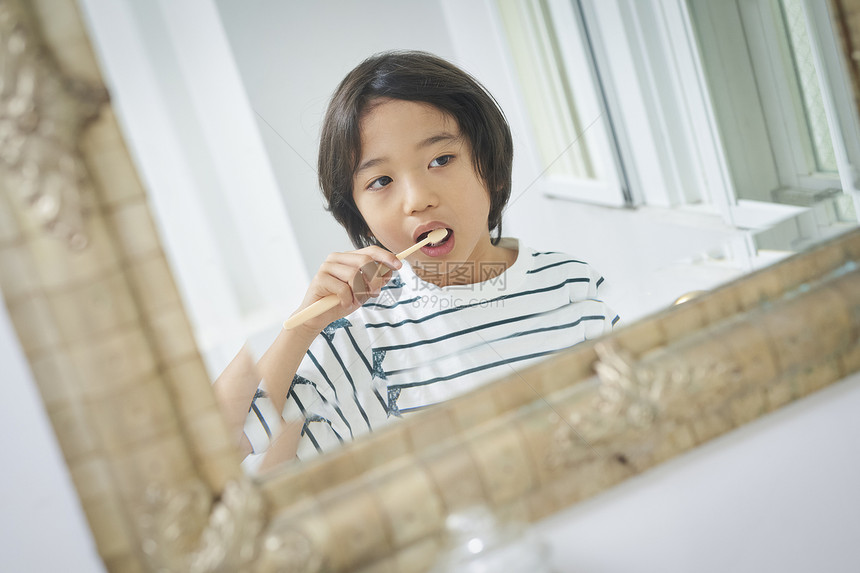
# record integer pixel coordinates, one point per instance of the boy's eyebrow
(439, 137)
(433, 139)
(368, 164)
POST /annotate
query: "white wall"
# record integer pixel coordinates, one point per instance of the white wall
(779, 494)
(178, 97)
(42, 525)
(291, 56)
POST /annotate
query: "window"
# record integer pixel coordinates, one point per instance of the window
(775, 72)
(634, 65)
(730, 107)
(552, 60)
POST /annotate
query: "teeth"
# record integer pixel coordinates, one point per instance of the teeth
(424, 236)
(440, 241)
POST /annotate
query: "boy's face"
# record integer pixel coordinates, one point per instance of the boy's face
(416, 174)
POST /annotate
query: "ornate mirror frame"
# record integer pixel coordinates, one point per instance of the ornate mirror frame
(92, 299)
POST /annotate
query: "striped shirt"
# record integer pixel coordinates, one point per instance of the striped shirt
(417, 344)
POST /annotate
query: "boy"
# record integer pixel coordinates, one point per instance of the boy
(409, 144)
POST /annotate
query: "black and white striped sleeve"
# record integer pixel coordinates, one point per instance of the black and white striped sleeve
(263, 422)
(591, 294)
(335, 393)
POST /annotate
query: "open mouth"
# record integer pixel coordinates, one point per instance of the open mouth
(423, 235)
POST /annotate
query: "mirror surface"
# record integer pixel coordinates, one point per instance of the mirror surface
(672, 159)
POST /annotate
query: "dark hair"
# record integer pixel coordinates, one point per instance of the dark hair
(420, 77)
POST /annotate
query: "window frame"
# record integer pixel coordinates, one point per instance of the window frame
(574, 110)
(683, 139)
(761, 119)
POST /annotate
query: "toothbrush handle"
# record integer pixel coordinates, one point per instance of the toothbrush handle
(312, 311)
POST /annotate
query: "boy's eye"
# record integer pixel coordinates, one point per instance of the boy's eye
(380, 182)
(442, 160)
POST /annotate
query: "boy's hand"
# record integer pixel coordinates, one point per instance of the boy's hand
(353, 277)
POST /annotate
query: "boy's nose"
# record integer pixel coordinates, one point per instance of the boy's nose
(419, 197)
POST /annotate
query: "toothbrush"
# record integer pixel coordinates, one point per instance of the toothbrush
(331, 301)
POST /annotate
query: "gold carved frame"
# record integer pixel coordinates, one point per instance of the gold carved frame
(93, 302)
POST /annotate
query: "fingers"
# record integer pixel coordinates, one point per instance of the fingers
(375, 276)
(380, 255)
(359, 258)
(353, 277)
(361, 288)
(332, 278)
(366, 270)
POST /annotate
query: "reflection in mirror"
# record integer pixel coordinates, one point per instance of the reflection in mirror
(276, 431)
(458, 305)
(673, 147)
